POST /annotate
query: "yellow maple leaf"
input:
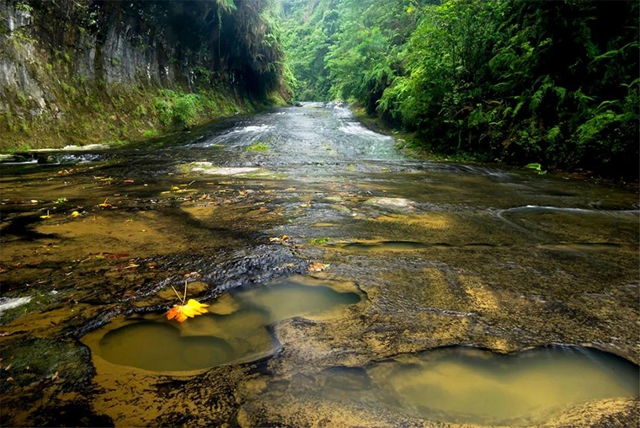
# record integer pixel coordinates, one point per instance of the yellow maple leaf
(190, 310)
(105, 204)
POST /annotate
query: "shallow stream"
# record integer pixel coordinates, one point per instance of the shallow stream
(348, 285)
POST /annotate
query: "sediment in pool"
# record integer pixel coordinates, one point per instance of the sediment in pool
(467, 385)
(237, 329)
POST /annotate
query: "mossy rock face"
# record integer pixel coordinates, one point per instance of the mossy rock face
(59, 371)
(4, 28)
(45, 360)
(112, 88)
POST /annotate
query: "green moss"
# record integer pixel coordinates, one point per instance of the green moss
(22, 99)
(35, 359)
(112, 114)
(257, 147)
(320, 241)
(4, 28)
(68, 89)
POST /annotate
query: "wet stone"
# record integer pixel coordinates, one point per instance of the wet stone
(446, 254)
(399, 205)
(469, 386)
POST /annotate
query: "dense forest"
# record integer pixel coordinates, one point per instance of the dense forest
(517, 81)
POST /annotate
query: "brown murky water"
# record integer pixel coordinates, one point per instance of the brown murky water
(237, 331)
(471, 386)
(380, 260)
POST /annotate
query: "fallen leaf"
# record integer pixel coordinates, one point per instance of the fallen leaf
(129, 181)
(190, 310)
(105, 204)
(10, 379)
(46, 216)
(175, 188)
(75, 214)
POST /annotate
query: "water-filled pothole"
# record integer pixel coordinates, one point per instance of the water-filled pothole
(237, 328)
(466, 385)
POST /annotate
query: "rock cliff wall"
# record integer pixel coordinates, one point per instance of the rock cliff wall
(83, 71)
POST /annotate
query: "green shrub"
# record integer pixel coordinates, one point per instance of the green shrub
(186, 109)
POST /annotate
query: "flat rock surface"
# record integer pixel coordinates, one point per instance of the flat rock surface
(442, 254)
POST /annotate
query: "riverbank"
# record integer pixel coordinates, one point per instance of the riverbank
(411, 145)
(130, 117)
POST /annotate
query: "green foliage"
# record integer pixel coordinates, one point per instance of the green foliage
(345, 48)
(68, 89)
(178, 109)
(537, 167)
(186, 109)
(518, 81)
(257, 147)
(24, 7)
